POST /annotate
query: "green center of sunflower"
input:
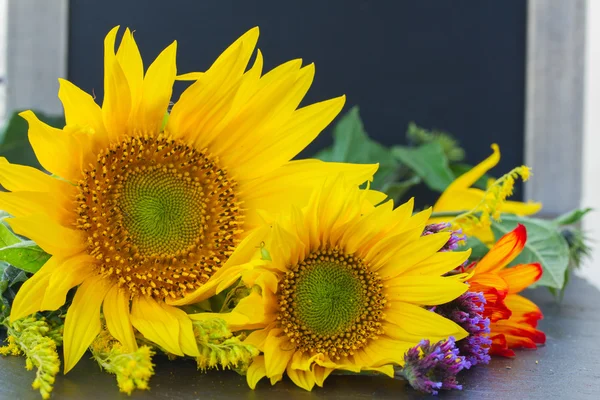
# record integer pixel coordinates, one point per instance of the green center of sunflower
(331, 303)
(162, 212)
(160, 217)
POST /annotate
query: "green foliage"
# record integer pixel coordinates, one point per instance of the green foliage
(14, 142)
(11, 279)
(429, 162)
(419, 136)
(572, 217)
(352, 144)
(35, 338)
(400, 168)
(478, 248)
(219, 348)
(22, 254)
(544, 244)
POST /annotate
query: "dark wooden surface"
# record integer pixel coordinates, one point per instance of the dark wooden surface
(566, 368)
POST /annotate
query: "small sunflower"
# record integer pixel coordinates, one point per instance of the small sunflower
(144, 216)
(345, 288)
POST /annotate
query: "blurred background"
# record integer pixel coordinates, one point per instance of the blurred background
(520, 73)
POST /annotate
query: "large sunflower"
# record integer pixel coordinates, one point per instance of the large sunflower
(345, 289)
(145, 217)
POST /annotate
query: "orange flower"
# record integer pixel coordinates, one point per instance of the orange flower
(513, 318)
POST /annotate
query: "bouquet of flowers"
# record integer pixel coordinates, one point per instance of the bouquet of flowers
(188, 229)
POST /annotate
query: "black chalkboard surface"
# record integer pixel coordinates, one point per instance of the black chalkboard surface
(455, 65)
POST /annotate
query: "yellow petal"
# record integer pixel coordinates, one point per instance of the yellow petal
(278, 353)
(70, 273)
(208, 92)
(116, 314)
(411, 323)
(130, 60)
(116, 105)
(157, 89)
(80, 108)
(320, 374)
(82, 323)
(21, 204)
(424, 290)
(384, 351)
(156, 324)
(278, 140)
(187, 340)
(258, 338)
(303, 379)
(414, 253)
(15, 177)
(58, 151)
(256, 371)
(440, 263)
(520, 208)
(190, 76)
(294, 183)
(248, 314)
(46, 233)
(29, 297)
(469, 178)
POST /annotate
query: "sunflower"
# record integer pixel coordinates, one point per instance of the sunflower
(144, 216)
(513, 318)
(460, 197)
(345, 288)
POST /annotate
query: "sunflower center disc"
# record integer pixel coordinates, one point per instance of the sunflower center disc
(162, 212)
(331, 303)
(160, 217)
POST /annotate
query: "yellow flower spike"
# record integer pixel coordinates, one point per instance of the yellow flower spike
(352, 281)
(146, 216)
(460, 197)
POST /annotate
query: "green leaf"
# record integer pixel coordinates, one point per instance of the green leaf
(418, 136)
(14, 142)
(544, 245)
(572, 217)
(460, 169)
(478, 248)
(352, 144)
(7, 238)
(26, 256)
(427, 161)
(395, 190)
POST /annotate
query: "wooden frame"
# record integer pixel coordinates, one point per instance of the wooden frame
(36, 54)
(554, 109)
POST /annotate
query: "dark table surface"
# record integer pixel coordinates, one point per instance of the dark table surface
(565, 368)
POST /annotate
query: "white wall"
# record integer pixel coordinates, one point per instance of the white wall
(591, 141)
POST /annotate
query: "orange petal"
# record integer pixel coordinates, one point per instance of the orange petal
(523, 310)
(521, 276)
(483, 282)
(499, 346)
(504, 251)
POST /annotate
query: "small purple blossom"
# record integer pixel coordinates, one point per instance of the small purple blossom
(467, 311)
(455, 239)
(432, 367)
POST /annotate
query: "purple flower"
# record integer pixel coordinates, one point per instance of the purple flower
(467, 311)
(455, 239)
(432, 367)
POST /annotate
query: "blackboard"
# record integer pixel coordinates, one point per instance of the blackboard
(455, 65)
